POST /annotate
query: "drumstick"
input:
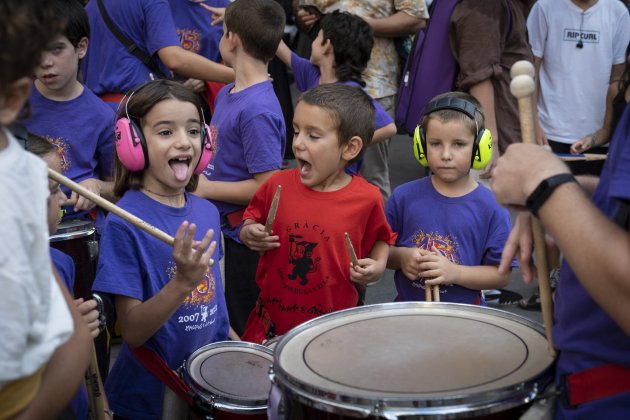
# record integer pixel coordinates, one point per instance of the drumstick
(428, 296)
(436, 293)
(111, 207)
(353, 255)
(522, 87)
(272, 210)
(95, 391)
(584, 156)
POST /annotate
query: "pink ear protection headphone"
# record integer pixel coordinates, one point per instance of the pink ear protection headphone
(131, 145)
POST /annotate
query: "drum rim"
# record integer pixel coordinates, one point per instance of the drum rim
(479, 403)
(223, 402)
(81, 229)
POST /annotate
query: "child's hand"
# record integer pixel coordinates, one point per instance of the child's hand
(368, 271)
(436, 268)
(255, 237)
(410, 262)
(90, 315)
(582, 145)
(82, 203)
(196, 85)
(218, 13)
(193, 258)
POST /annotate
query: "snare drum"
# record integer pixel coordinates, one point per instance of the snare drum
(77, 238)
(231, 378)
(411, 360)
(272, 342)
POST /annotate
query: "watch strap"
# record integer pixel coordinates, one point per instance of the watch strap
(544, 190)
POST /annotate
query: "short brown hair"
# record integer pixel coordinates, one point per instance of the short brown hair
(27, 28)
(446, 115)
(351, 109)
(259, 24)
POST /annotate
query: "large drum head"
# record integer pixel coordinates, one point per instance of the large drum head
(420, 358)
(232, 375)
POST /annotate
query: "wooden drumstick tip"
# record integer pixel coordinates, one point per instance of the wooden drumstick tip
(522, 67)
(522, 86)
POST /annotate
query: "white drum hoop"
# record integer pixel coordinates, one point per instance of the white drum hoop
(300, 375)
(209, 369)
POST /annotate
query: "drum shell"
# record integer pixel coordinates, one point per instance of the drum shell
(77, 238)
(252, 359)
(309, 400)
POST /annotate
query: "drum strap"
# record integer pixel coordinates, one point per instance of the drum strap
(267, 323)
(596, 383)
(158, 367)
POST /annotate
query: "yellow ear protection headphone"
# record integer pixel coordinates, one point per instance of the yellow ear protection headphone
(482, 146)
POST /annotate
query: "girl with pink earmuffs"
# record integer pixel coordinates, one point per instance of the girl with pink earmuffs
(168, 300)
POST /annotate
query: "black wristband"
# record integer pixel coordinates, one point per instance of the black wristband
(544, 190)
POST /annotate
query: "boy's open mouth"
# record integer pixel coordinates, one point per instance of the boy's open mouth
(304, 166)
(180, 167)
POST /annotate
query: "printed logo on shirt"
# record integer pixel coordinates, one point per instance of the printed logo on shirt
(63, 148)
(586, 36)
(303, 261)
(301, 258)
(202, 294)
(444, 244)
(190, 39)
(196, 311)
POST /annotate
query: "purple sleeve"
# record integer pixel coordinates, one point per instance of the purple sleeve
(382, 118)
(160, 28)
(263, 151)
(498, 234)
(620, 178)
(106, 151)
(306, 74)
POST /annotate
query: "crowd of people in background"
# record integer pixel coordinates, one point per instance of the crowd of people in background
(179, 111)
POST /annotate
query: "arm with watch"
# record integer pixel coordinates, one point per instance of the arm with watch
(528, 177)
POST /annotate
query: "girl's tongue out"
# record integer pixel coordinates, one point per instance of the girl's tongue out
(180, 169)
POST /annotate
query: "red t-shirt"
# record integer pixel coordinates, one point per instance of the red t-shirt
(309, 274)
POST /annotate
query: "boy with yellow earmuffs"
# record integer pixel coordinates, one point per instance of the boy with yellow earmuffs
(451, 231)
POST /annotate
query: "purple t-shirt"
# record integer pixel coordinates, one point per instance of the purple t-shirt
(193, 27)
(65, 267)
(82, 129)
(468, 230)
(250, 135)
(583, 333)
(307, 76)
(135, 264)
(108, 67)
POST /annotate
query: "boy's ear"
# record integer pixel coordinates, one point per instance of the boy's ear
(233, 39)
(352, 148)
(13, 99)
(82, 47)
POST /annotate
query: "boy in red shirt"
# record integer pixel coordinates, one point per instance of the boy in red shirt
(306, 268)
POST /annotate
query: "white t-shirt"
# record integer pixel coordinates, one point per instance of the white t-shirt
(574, 81)
(34, 317)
